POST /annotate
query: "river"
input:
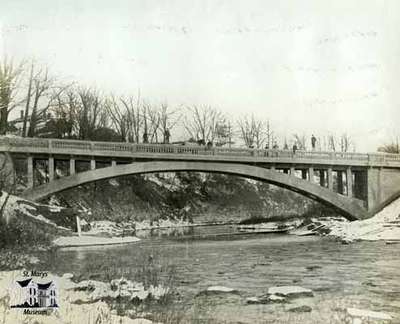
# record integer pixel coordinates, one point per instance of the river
(362, 275)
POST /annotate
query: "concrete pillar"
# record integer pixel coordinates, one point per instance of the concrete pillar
(292, 171)
(272, 167)
(78, 225)
(322, 180)
(51, 168)
(374, 183)
(340, 182)
(330, 178)
(304, 174)
(72, 166)
(349, 182)
(113, 163)
(311, 174)
(30, 172)
(92, 164)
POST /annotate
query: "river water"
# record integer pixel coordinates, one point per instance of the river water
(363, 275)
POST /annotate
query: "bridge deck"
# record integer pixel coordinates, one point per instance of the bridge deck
(193, 153)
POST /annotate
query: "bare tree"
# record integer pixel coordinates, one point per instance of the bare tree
(119, 116)
(152, 121)
(224, 133)
(134, 120)
(89, 113)
(42, 94)
(342, 143)
(390, 148)
(300, 140)
(269, 135)
(201, 122)
(10, 78)
(246, 131)
(346, 143)
(332, 143)
(168, 119)
(254, 132)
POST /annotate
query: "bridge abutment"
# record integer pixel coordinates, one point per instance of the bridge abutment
(383, 186)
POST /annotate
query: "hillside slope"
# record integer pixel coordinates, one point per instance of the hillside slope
(199, 197)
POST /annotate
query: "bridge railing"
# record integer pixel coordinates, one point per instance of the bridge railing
(58, 145)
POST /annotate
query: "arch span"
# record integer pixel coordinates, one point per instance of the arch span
(347, 206)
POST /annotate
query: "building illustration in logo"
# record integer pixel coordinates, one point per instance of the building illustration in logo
(32, 294)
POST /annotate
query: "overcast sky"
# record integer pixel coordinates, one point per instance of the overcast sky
(309, 66)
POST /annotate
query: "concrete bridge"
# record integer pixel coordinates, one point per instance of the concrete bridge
(356, 184)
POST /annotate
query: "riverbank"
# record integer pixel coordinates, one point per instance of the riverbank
(81, 302)
(384, 226)
(87, 240)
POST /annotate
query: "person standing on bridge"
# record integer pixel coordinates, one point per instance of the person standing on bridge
(266, 149)
(294, 148)
(167, 135)
(313, 142)
(145, 138)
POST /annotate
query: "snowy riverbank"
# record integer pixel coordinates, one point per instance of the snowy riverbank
(385, 226)
(78, 302)
(86, 240)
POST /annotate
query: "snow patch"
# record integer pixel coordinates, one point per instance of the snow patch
(367, 313)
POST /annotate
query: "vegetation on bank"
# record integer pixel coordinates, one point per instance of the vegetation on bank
(195, 197)
(27, 228)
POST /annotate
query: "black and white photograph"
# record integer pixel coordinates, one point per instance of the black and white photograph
(199, 161)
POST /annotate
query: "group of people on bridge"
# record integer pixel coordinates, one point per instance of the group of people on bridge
(295, 145)
(209, 144)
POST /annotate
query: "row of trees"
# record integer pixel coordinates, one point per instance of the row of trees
(51, 108)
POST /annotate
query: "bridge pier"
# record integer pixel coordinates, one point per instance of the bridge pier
(349, 182)
(92, 164)
(29, 173)
(311, 174)
(72, 166)
(330, 178)
(51, 168)
(113, 163)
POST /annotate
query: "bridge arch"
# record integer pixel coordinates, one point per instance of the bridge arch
(346, 206)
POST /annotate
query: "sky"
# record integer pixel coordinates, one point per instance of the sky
(310, 67)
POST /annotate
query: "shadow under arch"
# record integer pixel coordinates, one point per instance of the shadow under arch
(348, 207)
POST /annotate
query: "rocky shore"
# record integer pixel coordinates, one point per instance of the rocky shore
(82, 302)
